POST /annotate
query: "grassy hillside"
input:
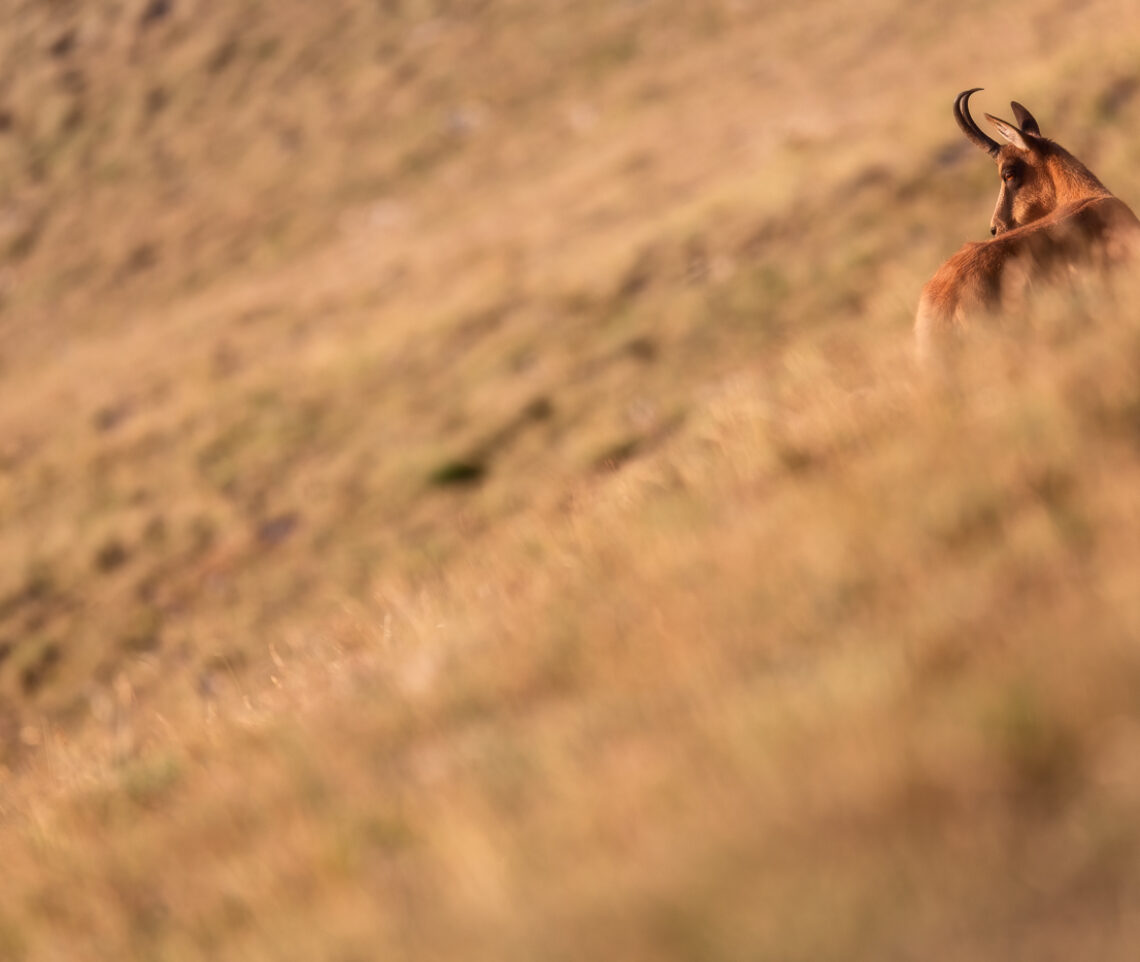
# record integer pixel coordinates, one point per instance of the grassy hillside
(465, 491)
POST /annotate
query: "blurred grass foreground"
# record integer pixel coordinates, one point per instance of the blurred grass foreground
(466, 493)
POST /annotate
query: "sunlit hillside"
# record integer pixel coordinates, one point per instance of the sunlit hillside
(466, 491)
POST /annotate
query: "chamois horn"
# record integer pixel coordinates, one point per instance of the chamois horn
(969, 127)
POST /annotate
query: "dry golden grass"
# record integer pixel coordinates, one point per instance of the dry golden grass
(466, 494)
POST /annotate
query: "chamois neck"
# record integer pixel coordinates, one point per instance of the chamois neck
(1072, 180)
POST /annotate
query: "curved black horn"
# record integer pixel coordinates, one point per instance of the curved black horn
(969, 127)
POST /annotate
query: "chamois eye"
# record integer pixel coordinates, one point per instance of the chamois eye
(1009, 176)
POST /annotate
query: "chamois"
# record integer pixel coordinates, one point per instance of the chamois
(1053, 216)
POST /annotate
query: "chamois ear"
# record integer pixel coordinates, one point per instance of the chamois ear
(1009, 132)
(1025, 120)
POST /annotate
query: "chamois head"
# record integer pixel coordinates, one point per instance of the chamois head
(1037, 176)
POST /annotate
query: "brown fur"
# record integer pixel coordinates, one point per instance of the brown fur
(1053, 216)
